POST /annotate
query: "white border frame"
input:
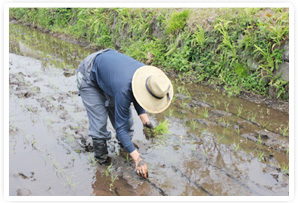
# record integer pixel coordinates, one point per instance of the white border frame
(148, 198)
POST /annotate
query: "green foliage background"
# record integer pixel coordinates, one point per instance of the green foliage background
(211, 44)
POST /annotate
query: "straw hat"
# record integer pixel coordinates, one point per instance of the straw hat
(152, 89)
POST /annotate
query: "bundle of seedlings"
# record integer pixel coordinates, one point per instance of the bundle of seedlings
(159, 131)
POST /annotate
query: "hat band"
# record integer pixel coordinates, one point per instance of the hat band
(152, 94)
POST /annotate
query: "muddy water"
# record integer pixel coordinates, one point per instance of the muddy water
(217, 145)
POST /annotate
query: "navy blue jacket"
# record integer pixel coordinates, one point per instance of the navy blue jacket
(113, 72)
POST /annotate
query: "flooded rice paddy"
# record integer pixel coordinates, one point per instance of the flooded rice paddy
(217, 145)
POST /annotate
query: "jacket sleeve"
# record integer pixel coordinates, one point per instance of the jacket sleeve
(122, 104)
(137, 106)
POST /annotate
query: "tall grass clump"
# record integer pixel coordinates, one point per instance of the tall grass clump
(235, 48)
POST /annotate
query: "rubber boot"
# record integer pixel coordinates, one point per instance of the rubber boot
(100, 150)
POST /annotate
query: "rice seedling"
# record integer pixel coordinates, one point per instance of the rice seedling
(181, 139)
(107, 171)
(195, 109)
(220, 139)
(60, 170)
(285, 131)
(206, 113)
(268, 112)
(239, 110)
(184, 119)
(266, 124)
(252, 116)
(287, 151)
(238, 130)
(55, 164)
(74, 185)
(78, 151)
(285, 168)
(181, 89)
(259, 139)
(261, 156)
(206, 153)
(172, 160)
(170, 113)
(183, 104)
(192, 146)
(173, 100)
(112, 181)
(193, 124)
(72, 157)
(188, 95)
(227, 124)
(236, 146)
(128, 158)
(214, 104)
(162, 128)
(226, 106)
(34, 142)
(93, 161)
(71, 183)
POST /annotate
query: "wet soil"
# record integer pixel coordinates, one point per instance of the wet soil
(217, 145)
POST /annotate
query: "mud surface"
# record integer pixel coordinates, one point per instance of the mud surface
(217, 145)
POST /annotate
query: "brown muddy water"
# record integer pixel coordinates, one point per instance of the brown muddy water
(217, 145)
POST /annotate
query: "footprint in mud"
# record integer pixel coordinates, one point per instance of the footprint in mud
(25, 176)
(23, 192)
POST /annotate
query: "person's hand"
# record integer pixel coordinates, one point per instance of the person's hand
(148, 130)
(141, 167)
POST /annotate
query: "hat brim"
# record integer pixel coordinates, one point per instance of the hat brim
(143, 97)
